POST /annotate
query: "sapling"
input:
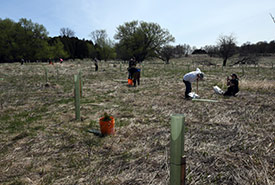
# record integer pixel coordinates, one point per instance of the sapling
(106, 117)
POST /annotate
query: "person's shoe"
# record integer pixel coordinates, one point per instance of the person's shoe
(188, 97)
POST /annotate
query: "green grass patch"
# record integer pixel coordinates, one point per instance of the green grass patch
(40, 127)
(5, 118)
(93, 124)
(16, 122)
(65, 101)
(87, 101)
(15, 126)
(121, 123)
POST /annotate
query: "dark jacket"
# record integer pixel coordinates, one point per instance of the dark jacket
(233, 88)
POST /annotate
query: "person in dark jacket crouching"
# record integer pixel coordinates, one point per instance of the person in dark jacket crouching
(233, 85)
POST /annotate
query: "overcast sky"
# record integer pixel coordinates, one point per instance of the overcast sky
(197, 23)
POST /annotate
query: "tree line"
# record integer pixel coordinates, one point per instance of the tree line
(30, 41)
(142, 40)
(226, 47)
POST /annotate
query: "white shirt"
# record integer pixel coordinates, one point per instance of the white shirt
(192, 76)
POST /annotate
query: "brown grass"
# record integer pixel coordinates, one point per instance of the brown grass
(230, 142)
(258, 85)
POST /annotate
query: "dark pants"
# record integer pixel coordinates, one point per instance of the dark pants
(188, 88)
(231, 91)
(131, 72)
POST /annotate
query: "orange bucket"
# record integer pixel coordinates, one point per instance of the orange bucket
(107, 127)
(130, 82)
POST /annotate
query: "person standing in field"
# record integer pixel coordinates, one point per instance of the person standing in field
(96, 64)
(190, 77)
(132, 67)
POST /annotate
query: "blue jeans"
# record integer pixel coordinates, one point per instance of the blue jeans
(188, 88)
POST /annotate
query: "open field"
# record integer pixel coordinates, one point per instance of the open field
(229, 142)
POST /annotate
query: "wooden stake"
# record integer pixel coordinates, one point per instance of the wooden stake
(77, 98)
(142, 69)
(176, 148)
(80, 83)
(197, 86)
(57, 73)
(183, 170)
(46, 75)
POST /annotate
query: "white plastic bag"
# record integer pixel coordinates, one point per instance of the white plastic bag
(193, 95)
(218, 90)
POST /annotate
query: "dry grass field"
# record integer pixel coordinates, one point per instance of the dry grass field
(229, 142)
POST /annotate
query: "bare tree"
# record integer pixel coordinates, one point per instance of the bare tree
(104, 45)
(182, 50)
(187, 49)
(227, 47)
(66, 32)
(99, 37)
(166, 53)
(211, 50)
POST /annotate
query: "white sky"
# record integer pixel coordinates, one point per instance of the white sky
(197, 23)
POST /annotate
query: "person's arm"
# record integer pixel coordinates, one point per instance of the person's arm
(227, 81)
